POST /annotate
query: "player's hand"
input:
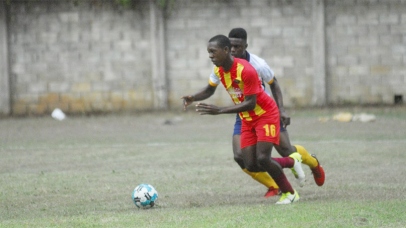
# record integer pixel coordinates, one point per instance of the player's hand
(285, 118)
(187, 100)
(207, 109)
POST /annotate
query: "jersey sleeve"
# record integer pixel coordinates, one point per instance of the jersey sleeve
(214, 79)
(265, 72)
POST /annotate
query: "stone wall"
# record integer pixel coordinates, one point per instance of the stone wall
(366, 42)
(365, 46)
(278, 31)
(87, 57)
(4, 63)
(95, 56)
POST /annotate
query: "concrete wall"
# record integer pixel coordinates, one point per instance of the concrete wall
(4, 63)
(92, 56)
(366, 42)
(96, 56)
(278, 31)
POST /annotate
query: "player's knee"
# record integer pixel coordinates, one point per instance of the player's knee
(285, 151)
(240, 162)
(238, 157)
(263, 160)
(252, 166)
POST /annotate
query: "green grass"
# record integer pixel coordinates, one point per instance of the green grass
(81, 172)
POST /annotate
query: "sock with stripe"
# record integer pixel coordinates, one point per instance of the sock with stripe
(306, 157)
(263, 178)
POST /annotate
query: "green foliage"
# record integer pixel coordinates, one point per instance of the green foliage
(161, 3)
(124, 2)
(164, 4)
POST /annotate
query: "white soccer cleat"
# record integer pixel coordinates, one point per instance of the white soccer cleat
(297, 169)
(288, 198)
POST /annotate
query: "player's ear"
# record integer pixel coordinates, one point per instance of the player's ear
(227, 49)
(246, 45)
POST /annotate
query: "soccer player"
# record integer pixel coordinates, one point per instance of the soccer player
(258, 111)
(238, 39)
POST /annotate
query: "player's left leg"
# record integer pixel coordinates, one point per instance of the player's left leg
(285, 148)
(266, 134)
(314, 164)
(263, 150)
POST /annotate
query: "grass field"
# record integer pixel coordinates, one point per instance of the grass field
(80, 172)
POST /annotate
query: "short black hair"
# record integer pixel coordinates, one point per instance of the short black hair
(221, 40)
(239, 33)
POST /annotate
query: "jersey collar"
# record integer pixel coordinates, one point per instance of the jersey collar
(247, 56)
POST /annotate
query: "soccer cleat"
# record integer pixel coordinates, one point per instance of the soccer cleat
(271, 192)
(318, 173)
(288, 198)
(297, 168)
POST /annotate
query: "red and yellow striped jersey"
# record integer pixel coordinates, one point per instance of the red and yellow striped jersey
(240, 81)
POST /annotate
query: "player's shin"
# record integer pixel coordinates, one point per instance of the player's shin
(263, 178)
(286, 162)
(283, 183)
(306, 157)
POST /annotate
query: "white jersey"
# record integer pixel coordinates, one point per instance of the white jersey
(265, 73)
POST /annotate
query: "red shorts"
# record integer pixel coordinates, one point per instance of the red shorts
(263, 129)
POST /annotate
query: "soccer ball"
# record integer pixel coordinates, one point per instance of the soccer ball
(144, 196)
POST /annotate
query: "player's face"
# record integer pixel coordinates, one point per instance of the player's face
(217, 54)
(238, 47)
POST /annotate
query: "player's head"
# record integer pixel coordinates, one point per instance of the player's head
(221, 41)
(238, 39)
(219, 49)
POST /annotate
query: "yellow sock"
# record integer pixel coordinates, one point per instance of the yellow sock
(306, 157)
(263, 178)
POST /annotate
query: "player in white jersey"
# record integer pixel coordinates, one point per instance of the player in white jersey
(238, 38)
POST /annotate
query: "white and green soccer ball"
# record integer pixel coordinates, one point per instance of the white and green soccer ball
(144, 196)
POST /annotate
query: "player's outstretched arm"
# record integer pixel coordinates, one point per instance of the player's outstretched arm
(208, 109)
(205, 93)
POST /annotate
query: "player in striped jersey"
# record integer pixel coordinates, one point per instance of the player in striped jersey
(258, 111)
(238, 39)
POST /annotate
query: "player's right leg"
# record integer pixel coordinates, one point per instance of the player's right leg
(261, 177)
